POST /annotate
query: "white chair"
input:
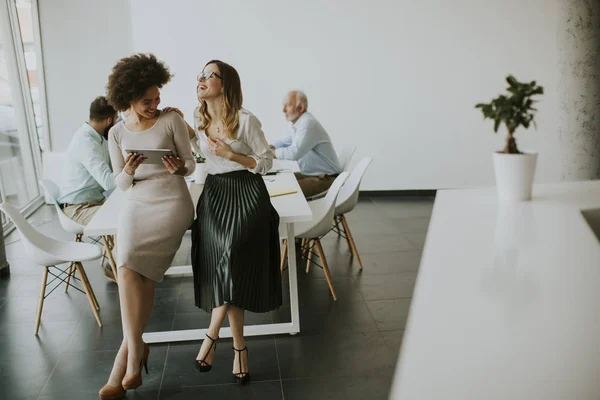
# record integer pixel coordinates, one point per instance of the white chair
(53, 165)
(346, 201)
(311, 232)
(49, 253)
(345, 156)
(53, 194)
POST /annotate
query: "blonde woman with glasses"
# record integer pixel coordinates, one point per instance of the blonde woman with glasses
(235, 240)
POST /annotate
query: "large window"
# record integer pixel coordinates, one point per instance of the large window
(31, 48)
(22, 105)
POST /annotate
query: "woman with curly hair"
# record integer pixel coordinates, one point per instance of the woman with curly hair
(158, 208)
(235, 238)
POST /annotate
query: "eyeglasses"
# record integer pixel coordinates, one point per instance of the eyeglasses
(204, 76)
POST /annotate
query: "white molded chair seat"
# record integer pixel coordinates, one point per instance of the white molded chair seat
(48, 252)
(318, 223)
(312, 231)
(67, 223)
(323, 212)
(345, 155)
(346, 202)
(53, 193)
(348, 197)
(45, 250)
(53, 164)
(344, 158)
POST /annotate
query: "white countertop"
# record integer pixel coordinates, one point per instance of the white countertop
(507, 301)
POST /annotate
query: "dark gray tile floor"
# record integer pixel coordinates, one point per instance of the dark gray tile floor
(346, 349)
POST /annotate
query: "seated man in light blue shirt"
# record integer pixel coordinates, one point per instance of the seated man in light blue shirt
(87, 173)
(310, 145)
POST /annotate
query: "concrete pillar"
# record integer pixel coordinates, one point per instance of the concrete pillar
(579, 89)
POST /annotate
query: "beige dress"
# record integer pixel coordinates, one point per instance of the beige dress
(158, 208)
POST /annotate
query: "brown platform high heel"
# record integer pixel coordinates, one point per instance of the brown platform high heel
(112, 392)
(134, 381)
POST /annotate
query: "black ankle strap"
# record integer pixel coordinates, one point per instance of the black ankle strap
(212, 344)
(241, 374)
(214, 340)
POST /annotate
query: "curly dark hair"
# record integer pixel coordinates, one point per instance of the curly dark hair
(132, 76)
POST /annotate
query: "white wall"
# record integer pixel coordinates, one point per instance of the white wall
(397, 78)
(81, 42)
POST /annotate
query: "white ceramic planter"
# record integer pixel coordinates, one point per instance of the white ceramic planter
(514, 176)
(200, 173)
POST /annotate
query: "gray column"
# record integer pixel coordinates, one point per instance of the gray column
(579, 89)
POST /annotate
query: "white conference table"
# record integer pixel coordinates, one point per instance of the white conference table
(291, 208)
(507, 299)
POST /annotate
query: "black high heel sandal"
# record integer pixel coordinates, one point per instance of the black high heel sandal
(241, 377)
(202, 365)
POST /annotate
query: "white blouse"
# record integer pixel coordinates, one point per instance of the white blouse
(250, 141)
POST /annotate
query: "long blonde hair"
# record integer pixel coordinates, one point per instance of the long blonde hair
(232, 101)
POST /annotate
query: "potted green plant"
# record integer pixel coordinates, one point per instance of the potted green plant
(513, 168)
(200, 171)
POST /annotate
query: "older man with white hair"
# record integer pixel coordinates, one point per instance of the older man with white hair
(308, 143)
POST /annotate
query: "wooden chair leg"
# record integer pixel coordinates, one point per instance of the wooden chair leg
(70, 271)
(284, 246)
(103, 257)
(87, 281)
(89, 292)
(351, 241)
(41, 300)
(336, 224)
(111, 246)
(304, 246)
(342, 226)
(78, 239)
(111, 258)
(309, 252)
(325, 267)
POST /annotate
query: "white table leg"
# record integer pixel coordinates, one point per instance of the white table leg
(198, 334)
(294, 307)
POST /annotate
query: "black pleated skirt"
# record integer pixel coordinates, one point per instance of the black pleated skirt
(235, 244)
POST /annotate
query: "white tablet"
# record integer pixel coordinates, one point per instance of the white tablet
(154, 156)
